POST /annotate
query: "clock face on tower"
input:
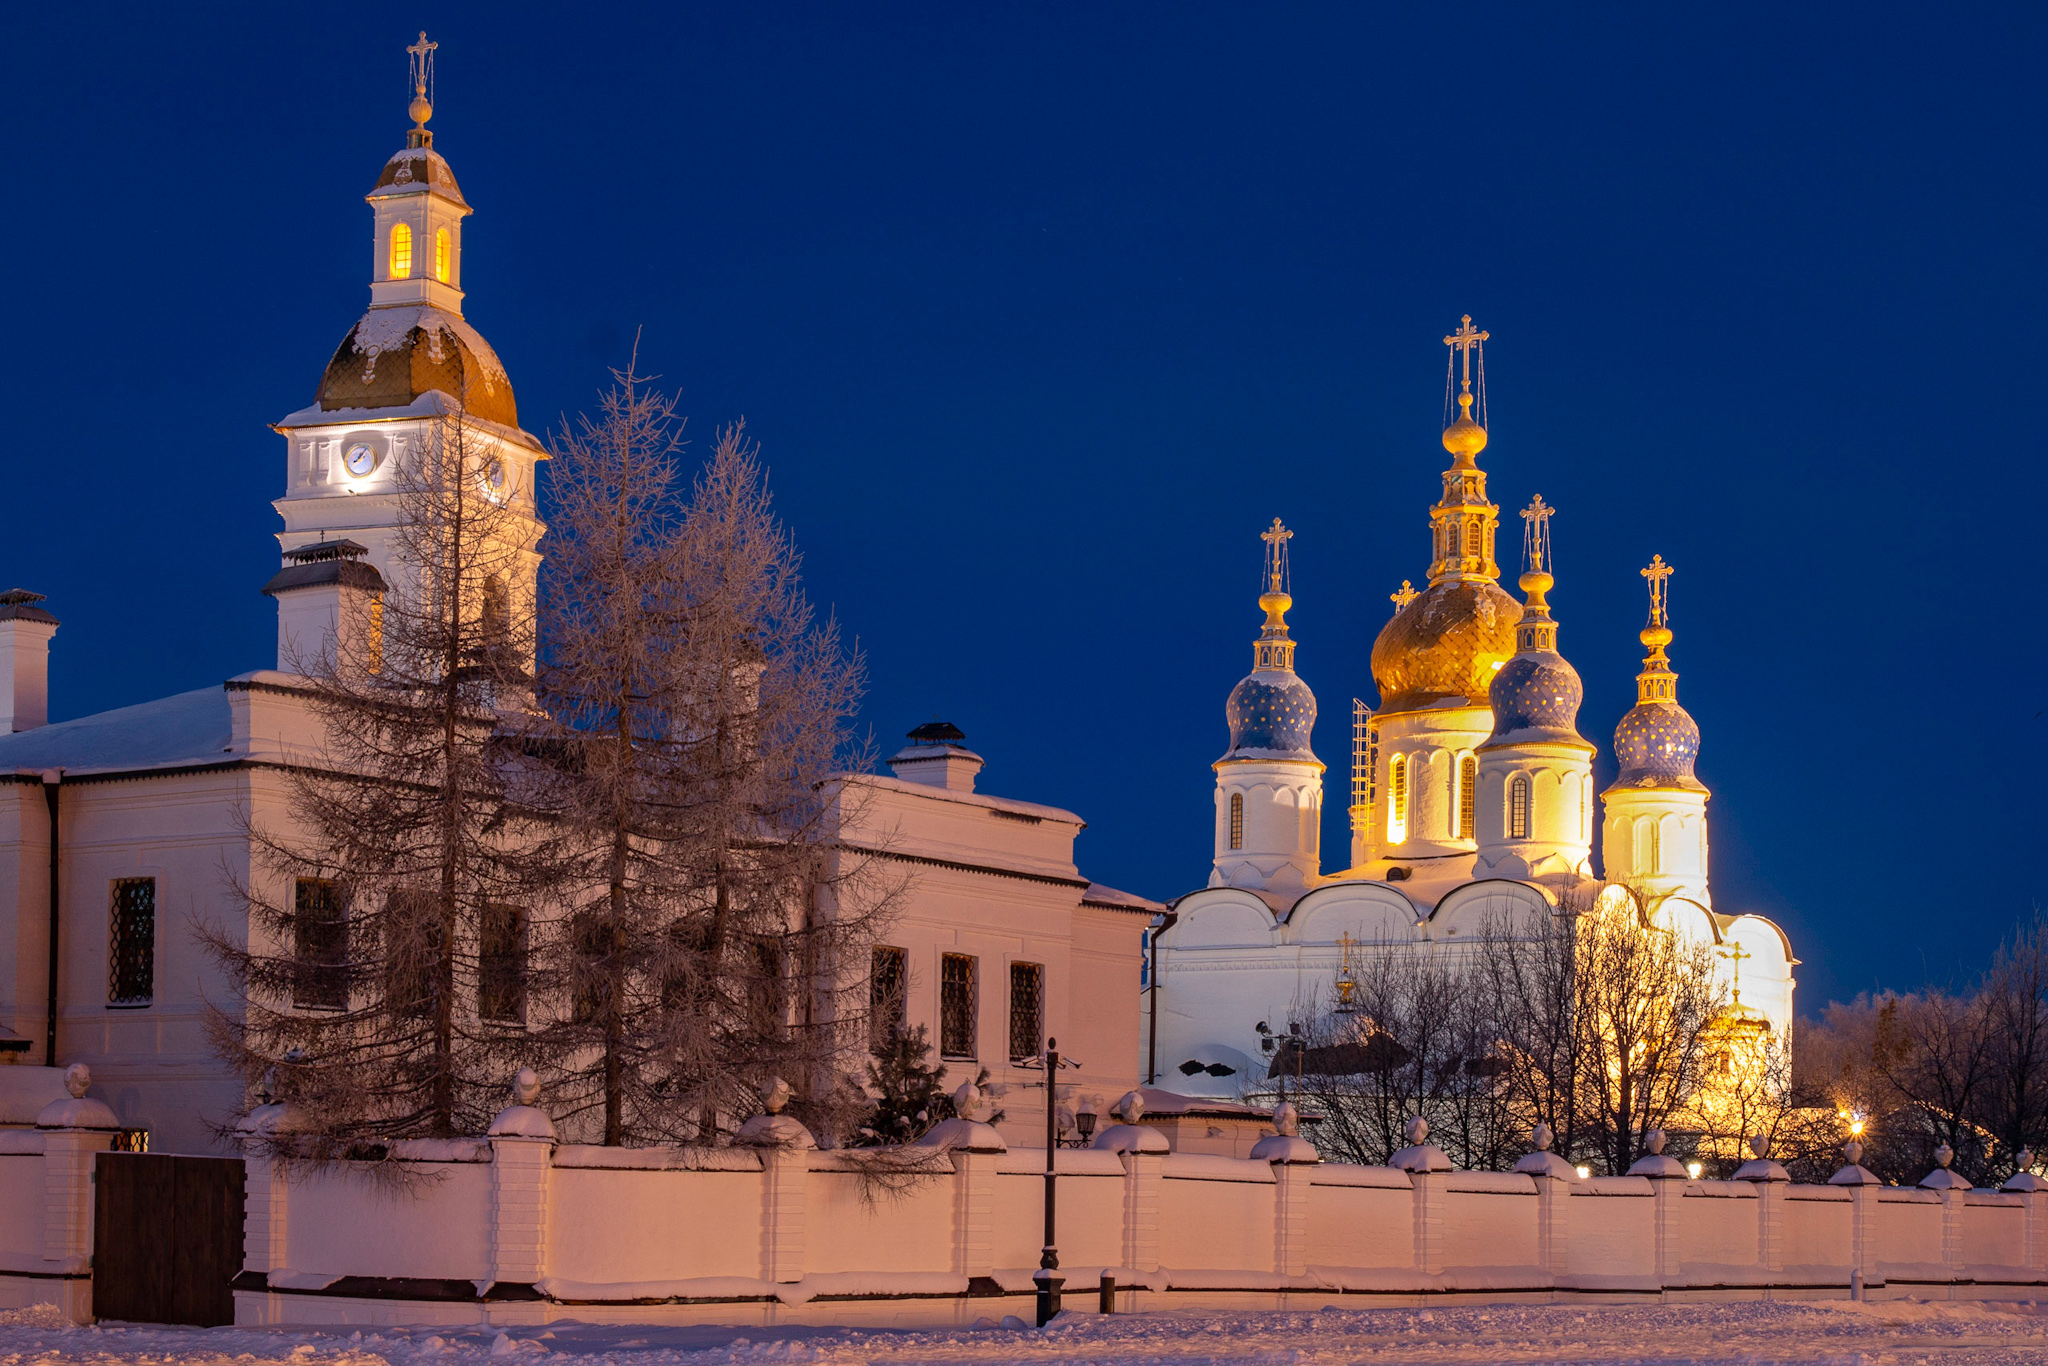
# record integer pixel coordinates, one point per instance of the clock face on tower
(360, 460)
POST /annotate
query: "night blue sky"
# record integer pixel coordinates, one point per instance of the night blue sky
(1041, 313)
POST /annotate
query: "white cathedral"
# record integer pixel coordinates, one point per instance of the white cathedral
(1472, 801)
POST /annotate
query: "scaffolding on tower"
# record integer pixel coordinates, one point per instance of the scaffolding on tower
(1365, 763)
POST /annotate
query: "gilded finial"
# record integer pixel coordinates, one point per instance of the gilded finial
(421, 55)
(1404, 597)
(1657, 682)
(1463, 437)
(1536, 562)
(1274, 650)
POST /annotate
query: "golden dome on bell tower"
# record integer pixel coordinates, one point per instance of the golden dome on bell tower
(1447, 643)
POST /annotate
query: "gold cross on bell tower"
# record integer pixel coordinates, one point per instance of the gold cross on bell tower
(1735, 953)
(1657, 573)
(1536, 534)
(1276, 538)
(421, 57)
(1404, 597)
(1462, 343)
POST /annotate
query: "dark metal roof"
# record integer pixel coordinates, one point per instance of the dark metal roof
(936, 733)
(318, 551)
(351, 573)
(18, 604)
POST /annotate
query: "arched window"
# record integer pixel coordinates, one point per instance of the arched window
(1468, 782)
(373, 648)
(497, 615)
(1397, 792)
(442, 255)
(1237, 820)
(1646, 845)
(1472, 535)
(401, 251)
(1518, 807)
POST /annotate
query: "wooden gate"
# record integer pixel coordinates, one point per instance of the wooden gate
(166, 1237)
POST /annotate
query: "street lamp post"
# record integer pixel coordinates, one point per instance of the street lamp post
(1047, 1276)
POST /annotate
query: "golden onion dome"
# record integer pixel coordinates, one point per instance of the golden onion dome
(1447, 643)
(1464, 438)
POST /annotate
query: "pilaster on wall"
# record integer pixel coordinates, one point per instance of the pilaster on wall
(1952, 1233)
(521, 1169)
(265, 1214)
(1290, 1217)
(68, 1157)
(785, 1178)
(1429, 1222)
(2037, 1230)
(974, 1188)
(1142, 1175)
(1770, 1225)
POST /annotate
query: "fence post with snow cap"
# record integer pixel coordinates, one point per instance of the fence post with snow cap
(786, 1147)
(1143, 1149)
(522, 1141)
(973, 1144)
(1862, 1184)
(1425, 1164)
(1950, 1187)
(2034, 1191)
(1770, 1179)
(75, 1131)
(1553, 1177)
(1667, 1177)
(1290, 1156)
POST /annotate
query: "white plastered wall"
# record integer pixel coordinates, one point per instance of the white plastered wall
(1283, 818)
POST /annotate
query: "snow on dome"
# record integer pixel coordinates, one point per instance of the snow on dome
(1271, 714)
(417, 170)
(394, 355)
(1655, 745)
(1445, 645)
(1536, 697)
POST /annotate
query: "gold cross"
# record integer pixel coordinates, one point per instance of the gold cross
(1462, 341)
(1657, 573)
(1735, 953)
(422, 63)
(1404, 597)
(1536, 535)
(1276, 538)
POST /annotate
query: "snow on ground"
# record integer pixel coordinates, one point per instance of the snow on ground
(1654, 1335)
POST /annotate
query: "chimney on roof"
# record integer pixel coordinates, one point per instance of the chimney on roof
(937, 755)
(25, 631)
(330, 606)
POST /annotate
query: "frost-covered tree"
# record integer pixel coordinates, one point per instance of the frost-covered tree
(381, 985)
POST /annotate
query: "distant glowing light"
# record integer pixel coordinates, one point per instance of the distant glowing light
(1584, 1172)
(1693, 1170)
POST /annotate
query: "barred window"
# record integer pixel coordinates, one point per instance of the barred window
(131, 942)
(1027, 1009)
(412, 953)
(1518, 807)
(1237, 820)
(501, 965)
(319, 945)
(888, 994)
(1468, 783)
(956, 1006)
(401, 251)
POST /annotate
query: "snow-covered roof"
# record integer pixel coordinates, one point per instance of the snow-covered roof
(942, 794)
(432, 403)
(1099, 895)
(187, 728)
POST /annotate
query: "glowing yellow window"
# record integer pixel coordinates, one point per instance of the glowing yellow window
(1397, 792)
(441, 253)
(401, 251)
(1468, 780)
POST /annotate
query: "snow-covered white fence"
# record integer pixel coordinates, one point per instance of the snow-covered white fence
(46, 1191)
(518, 1228)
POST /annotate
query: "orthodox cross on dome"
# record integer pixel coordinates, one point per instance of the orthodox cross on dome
(1404, 597)
(420, 57)
(1657, 573)
(1276, 538)
(1463, 343)
(1536, 535)
(1735, 953)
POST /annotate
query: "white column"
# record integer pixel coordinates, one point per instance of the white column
(785, 1176)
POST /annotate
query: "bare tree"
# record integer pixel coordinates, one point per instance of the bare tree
(708, 940)
(380, 986)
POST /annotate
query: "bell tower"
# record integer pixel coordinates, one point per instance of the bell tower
(413, 393)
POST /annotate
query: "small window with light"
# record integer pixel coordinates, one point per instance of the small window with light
(442, 255)
(401, 251)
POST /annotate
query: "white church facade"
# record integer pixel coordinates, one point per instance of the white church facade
(125, 836)
(1473, 806)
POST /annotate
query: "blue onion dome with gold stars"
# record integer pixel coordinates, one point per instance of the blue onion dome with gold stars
(1658, 741)
(1271, 712)
(1536, 694)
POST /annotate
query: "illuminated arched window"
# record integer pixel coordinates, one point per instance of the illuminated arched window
(374, 647)
(1468, 782)
(1397, 793)
(443, 254)
(1518, 807)
(1237, 820)
(1472, 535)
(401, 251)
